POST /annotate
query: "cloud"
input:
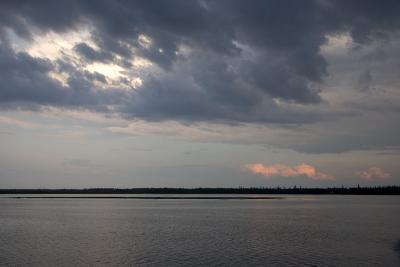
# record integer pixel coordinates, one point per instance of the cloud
(364, 81)
(281, 170)
(16, 122)
(221, 61)
(27, 81)
(91, 54)
(374, 173)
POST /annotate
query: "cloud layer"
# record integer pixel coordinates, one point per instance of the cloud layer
(224, 61)
(281, 170)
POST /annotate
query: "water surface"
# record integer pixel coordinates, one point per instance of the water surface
(293, 231)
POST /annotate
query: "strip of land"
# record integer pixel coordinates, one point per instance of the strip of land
(143, 197)
(377, 190)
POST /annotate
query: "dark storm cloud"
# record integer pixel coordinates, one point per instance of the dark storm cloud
(204, 88)
(25, 81)
(245, 54)
(91, 54)
(24, 78)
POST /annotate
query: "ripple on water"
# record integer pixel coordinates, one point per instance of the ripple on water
(325, 231)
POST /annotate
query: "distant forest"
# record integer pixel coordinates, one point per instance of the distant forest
(378, 190)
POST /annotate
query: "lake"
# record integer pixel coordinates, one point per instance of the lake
(297, 230)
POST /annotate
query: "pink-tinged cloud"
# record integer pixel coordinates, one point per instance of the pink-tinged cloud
(374, 173)
(287, 171)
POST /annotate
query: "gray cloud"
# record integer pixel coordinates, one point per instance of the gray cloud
(244, 55)
(204, 88)
(364, 81)
(25, 81)
(24, 78)
(92, 55)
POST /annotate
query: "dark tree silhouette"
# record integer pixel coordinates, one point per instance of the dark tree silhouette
(377, 190)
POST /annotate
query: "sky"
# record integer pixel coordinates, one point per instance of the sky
(200, 93)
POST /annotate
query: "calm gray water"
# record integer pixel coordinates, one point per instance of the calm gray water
(295, 231)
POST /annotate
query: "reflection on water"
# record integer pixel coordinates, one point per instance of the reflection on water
(294, 231)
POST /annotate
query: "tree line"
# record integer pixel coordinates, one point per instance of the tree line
(376, 190)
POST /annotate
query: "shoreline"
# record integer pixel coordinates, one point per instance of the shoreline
(139, 197)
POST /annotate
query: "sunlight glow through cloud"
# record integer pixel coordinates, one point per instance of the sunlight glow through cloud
(145, 41)
(109, 70)
(53, 45)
